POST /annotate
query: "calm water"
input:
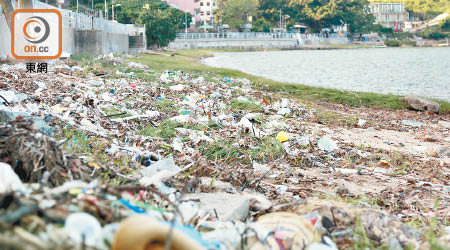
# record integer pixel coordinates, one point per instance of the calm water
(418, 71)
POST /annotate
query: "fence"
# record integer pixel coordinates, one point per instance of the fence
(84, 22)
(253, 35)
(235, 35)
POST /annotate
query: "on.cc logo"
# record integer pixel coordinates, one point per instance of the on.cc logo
(36, 29)
(36, 34)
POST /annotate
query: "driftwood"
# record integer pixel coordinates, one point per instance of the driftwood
(35, 157)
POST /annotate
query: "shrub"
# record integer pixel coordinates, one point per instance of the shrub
(445, 25)
(408, 42)
(398, 43)
(403, 35)
(392, 43)
(433, 33)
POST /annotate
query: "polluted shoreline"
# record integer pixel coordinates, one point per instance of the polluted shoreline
(349, 70)
(108, 153)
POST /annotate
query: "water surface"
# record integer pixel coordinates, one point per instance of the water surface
(401, 71)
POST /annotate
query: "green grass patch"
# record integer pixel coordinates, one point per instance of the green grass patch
(330, 117)
(165, 130)
(113, 113)
(265, 150)
(236, 106)
(164, 105)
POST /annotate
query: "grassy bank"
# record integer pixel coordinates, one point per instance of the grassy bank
(188, 60)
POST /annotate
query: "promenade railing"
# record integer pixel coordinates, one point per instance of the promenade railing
(93, 21)
(252, 35)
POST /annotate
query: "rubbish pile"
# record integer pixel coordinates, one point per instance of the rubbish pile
(121, 156)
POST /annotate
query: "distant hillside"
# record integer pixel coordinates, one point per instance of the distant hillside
(422, 6)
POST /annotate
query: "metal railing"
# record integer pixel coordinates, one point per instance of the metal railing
(84, 22)
(253, 35)
(235, 35)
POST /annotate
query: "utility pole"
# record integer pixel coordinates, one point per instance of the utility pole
(185, 22)
(106, 12)
(281, 21)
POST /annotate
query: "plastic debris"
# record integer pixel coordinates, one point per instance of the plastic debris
(157, 172)
(225, 206)
(9, 181)
(411, 123)
(260, 168)
(282, 136)
(83, 228)
(96, 83)
(142, 232)
(243, 99)
(288, 230)
(327, 144)
(361, 122)
(178, 87)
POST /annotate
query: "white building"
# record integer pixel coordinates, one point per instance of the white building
(202, 11)
(207, 8)
(390, 15)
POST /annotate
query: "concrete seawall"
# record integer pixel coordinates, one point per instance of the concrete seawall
(254, 43)
(232, 44)
(97, 42)
(5, 37)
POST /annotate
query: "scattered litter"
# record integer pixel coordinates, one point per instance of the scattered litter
(243, 99)
(288, 229)
(10, 182)
(96, 83)
(178, 87)
(361, 122)
(82, 149)
(260, 168)
(282, 136)
(159, 171)
(83, 228)
(327, 144)
(227, 207)
(412, 124)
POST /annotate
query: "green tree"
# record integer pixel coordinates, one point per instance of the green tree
(162, 21)
(324, 13)
(270, 10)
(261, 25)
(445, 25)
(235, 12)
(162, 25)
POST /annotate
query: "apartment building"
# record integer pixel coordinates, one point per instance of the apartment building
(390, 15)
(202, 11)
(207, 8)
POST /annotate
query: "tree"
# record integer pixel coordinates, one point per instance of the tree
(445, 25)
(235, 12)
(162, 21)
(324, 13)
(270, 9)
(162, 25)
